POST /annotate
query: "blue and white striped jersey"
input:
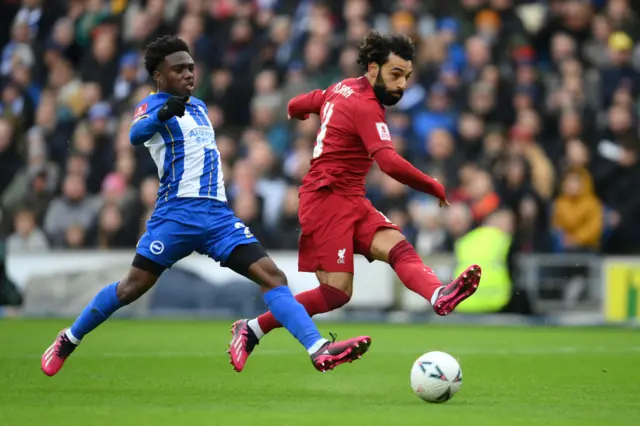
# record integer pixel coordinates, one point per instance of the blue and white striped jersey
(183, 148)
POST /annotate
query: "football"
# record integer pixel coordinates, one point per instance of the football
(436, 377)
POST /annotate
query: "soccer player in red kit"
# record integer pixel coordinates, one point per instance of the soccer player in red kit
(336, 218)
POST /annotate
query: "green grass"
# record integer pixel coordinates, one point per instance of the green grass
(176, 372)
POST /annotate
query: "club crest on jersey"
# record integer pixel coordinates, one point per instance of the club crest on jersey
(142, 109)
(383, 131)
(341, 254)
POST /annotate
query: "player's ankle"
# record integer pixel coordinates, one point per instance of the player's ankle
(435, 295)
(316, 346)
(73, 339)
(254, 326)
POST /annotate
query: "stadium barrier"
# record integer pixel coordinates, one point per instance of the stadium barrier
(575, 289)
(621, 278)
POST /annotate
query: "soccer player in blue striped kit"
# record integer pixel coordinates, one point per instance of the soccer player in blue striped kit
(192, 214)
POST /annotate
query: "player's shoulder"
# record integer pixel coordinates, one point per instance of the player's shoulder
(154, 100)
(357, 92)
(149, 103)
(198, 102)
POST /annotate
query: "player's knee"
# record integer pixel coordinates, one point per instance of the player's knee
(266, 274)
(276, 278)
(134, 286)
(383, 243)
(342, 281)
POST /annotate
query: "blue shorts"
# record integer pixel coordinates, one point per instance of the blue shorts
(181, 226)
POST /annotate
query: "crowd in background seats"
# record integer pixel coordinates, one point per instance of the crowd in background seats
(528, 106)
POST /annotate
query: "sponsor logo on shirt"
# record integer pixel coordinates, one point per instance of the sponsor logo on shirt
(202, 135)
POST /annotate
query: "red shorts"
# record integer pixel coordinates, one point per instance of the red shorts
(334, 228)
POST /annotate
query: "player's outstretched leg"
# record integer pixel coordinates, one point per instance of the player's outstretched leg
(104, 304)
(390, 245)
(322, 299)
(287, 311)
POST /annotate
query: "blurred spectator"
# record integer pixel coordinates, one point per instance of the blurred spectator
(542, 172)
(531, 234)
(483, 199)
(248, 208)
(623, 18)
(496, 109)
(516, 183)
(459, 221)
(577, 214)
(74, 209)
(596, 48)
(427, 217)
(471, 129)
(74, 237)
(27, 238)
(145, 205)
(10, 161)
(288, 225)
(443, 157)
(620, 71)
(438, 114)
(491, 241)
(110, 231)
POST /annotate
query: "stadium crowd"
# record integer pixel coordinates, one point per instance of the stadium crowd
(535, 112)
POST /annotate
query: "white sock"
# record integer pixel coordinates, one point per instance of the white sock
(435, 295)
(72, 338)
(255, 327)
(316, 346)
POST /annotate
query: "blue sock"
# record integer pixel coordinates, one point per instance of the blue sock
(292, 315)
(101, 307)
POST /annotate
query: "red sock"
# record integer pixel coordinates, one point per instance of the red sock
(414, 274)
(317, 301)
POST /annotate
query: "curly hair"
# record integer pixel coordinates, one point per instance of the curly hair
(377, 48)
(156, 51)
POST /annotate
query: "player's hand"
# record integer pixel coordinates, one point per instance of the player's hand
(174, 106)
(444, 203)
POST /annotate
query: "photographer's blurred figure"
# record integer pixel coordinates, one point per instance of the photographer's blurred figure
(490, 245)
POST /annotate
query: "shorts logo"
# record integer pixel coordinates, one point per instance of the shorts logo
(341, 254)
(156, 247)
(383, 131)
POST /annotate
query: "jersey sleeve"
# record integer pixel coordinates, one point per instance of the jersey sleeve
(372, 128)
(392, 164)
(306, 103)
(145, 122)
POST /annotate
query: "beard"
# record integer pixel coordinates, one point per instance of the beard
(386, 97)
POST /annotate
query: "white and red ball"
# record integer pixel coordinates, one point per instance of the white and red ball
(436, 377)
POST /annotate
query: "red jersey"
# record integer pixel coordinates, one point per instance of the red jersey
(353, 129)
(353, 133)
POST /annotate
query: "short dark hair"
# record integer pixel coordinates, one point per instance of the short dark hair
(377, 48)
(156, 51)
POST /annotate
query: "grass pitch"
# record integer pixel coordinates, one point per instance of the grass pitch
(176, 372)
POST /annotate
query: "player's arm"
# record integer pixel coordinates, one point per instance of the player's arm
(148, 120)
(307, 103)
(145, 124)
(375, 135)
(392, 164)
